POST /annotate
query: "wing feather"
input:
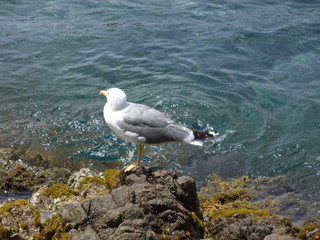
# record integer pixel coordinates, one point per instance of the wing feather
(151, 124)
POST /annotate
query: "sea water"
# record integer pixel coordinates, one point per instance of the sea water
(248, 69)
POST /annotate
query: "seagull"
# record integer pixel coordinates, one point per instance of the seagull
(143, 125)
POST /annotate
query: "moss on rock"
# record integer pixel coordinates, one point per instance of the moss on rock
(19, 217)
(56, 175)
(223, 199)
(310, 230)
(202, 224)
(6, 154)
(52, 229)
(59, 190)
(6, 209)
(167, 236)
(225, 213)
(90, 180)
(4, 232)
(109, 179)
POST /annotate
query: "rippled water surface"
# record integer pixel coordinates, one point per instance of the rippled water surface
(249, 69)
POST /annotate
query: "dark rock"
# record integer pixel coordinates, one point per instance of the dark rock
(123, 195)
(134, 229)
(98, 206)
(86, 234)
(278, 237)
(149, 203)
(113, 218)
(188, 193)
(72, 214)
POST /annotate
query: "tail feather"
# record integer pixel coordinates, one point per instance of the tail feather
(201, 135)
(197, 143)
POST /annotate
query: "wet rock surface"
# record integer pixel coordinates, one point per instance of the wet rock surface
(237, 227)
(21, 173)
(145, 203)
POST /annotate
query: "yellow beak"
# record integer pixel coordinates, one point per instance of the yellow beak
(103, 93)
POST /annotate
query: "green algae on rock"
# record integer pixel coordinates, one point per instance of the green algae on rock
(232, 214)
(51, 198)
(221, 199)
(53, 229)
(163, 236)
(11, 207)
(6, 154)
(20, 173)
(59, 190)
(19, 218)
(202, 224)
(109, 179)
(310, 230)
(231, 208)
(4, 232)
(90, 183)
(225, 213)
(24, 179)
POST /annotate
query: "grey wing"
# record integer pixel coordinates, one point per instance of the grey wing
(147, 122)
(142, 115)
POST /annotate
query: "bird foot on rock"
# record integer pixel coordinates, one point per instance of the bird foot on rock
(130, 167)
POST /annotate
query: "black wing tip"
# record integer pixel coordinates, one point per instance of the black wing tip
(201, 135)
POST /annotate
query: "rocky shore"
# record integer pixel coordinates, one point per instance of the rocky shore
(145, 203)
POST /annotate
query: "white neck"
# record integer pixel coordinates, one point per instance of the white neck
(116, 104)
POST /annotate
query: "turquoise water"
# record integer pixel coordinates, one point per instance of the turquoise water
(249, 69)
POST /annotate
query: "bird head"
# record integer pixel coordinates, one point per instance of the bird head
(116, 98)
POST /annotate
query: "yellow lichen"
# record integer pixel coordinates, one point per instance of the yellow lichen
(59, 190)
(52, 229)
